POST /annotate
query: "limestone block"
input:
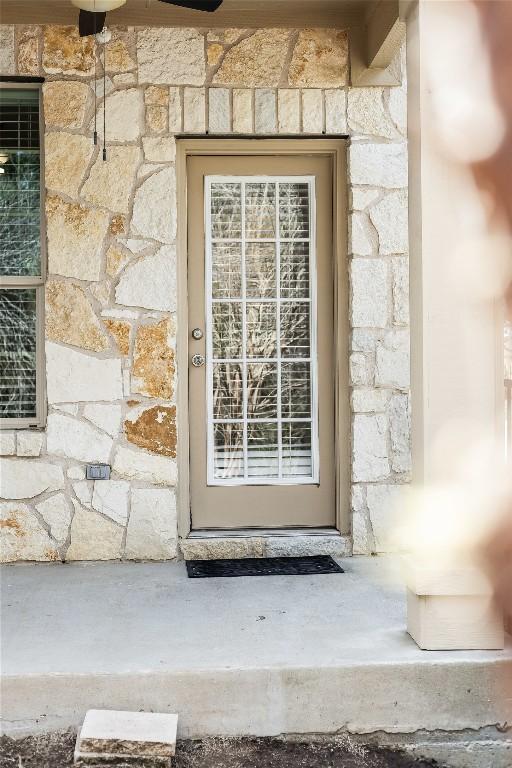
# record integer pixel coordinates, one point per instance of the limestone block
(302, 546)
(110, 497)
(83, 491)
(400, 433)
(116, 259)
(70, 317)
(265, 111)
(118, 57)
(288, 110)
(150, 282)
(121, 333)
(378, 165)
(320, 59)
(56, 513)
(214, 54)
(29, 443)
(125, 115)
(393, 360)
(362, 197)
(110, 183)
(175, 111)
(105, 416)
(397, 105)
(157, 95)
(157, 118)
(153, 429)
(28, 50)
(194, 110)
(363, 340)
(312, 111)
(401, 291)
(93, 537)
(362, 538)
(101, 292)
(65, 51)
(154, 210)
(65, 103)
(370, 449)
(257, 60)
(7, 63)
(25, 479)
(138, 465)
(335, 112)
(362, 237)
(23, 537)
(75, 239)
(159, 150)
(390, 218)
(222, 549)
(152, 528)
(357, 498)
(383, 502)
(153, 361)
(76, 472)
(71, 408)
(76, 439)
(367, 114)
(361, 373)
(370, 400)
(7, 443)
(242, 111)
(73, 376)
(370, 300)
(226, 35)
(67, 157)
(111, 736)
(219, 112)
(186, 65)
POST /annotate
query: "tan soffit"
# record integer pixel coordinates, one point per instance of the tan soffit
(342, 14)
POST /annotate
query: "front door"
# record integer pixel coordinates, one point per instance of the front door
(261, 342)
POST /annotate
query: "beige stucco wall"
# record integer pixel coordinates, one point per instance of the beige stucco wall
(111, 291)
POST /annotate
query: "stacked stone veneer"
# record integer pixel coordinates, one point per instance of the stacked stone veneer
(111, 289)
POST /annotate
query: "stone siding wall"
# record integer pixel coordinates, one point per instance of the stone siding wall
(111, 290)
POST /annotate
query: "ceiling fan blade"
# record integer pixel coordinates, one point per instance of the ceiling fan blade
(196, 5)
(90, 23)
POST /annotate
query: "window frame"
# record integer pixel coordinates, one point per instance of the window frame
(33, 281)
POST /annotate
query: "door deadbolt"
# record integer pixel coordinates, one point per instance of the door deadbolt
(197, 334)
(198, 361)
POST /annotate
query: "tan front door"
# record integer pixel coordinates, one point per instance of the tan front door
(261, 342)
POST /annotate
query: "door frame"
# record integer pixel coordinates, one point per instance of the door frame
(337, 150)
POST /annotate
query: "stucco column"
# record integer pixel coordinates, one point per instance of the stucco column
(456, 332)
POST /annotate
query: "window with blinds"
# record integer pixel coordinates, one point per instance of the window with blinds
(21, 262)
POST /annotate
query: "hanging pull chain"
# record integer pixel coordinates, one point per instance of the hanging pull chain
(104, 100)
(95, 95)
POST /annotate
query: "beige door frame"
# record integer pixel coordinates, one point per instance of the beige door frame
(336, 149)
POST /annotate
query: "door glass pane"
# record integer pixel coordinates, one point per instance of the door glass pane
(261, 352)
(18, 353)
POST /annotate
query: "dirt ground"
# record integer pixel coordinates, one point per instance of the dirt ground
(56, 751)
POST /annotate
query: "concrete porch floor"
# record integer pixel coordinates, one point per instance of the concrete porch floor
(250, 656)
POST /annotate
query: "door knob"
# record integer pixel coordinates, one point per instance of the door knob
(198, 361)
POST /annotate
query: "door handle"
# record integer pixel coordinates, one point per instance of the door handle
(198, 361)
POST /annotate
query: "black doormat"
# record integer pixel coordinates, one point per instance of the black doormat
(262, 566)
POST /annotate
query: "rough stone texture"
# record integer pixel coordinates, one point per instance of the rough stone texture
(219, 113)
(73, 376)
(75, 239)
(312, 111)
(67, 157)
(28, 50)
(65, 103)
(153, 361)
(116, 259)
(379, 165)
(121, 333)
(186, 65)
(153, 429)
(111, 498)
(288, 110)
(335, 112)
(56, 513)
(389, 217)
(400, 432)
(118, 57)
(397, 105)
(370, 305)
(157, 95)
(157, 119)
(242, 111)
(93, 537)
(393, 363)
(106, 417)
(362, 198)
(7, 64)
(214, 54)
(110, 183)
(7, 443)
(154, 213)
(367, 114)
(360, 370)
(383, 506)
(65, 51)
(138, 465)
(226, 35)
(76, 439)
(255, 61)
(319, 59)
(125, 115)
(29, 443)
(362, 238)
(23, 537)
(265, 111)
(159, 150)
(175, 111)
(401, 291)
(70, 317)
(194, 110)
(150, 282)
(152, 531)
(25, 478)
(369, 400)
(370, 458)
(83, 491)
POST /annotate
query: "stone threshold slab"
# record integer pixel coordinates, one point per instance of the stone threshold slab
(236, 546)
